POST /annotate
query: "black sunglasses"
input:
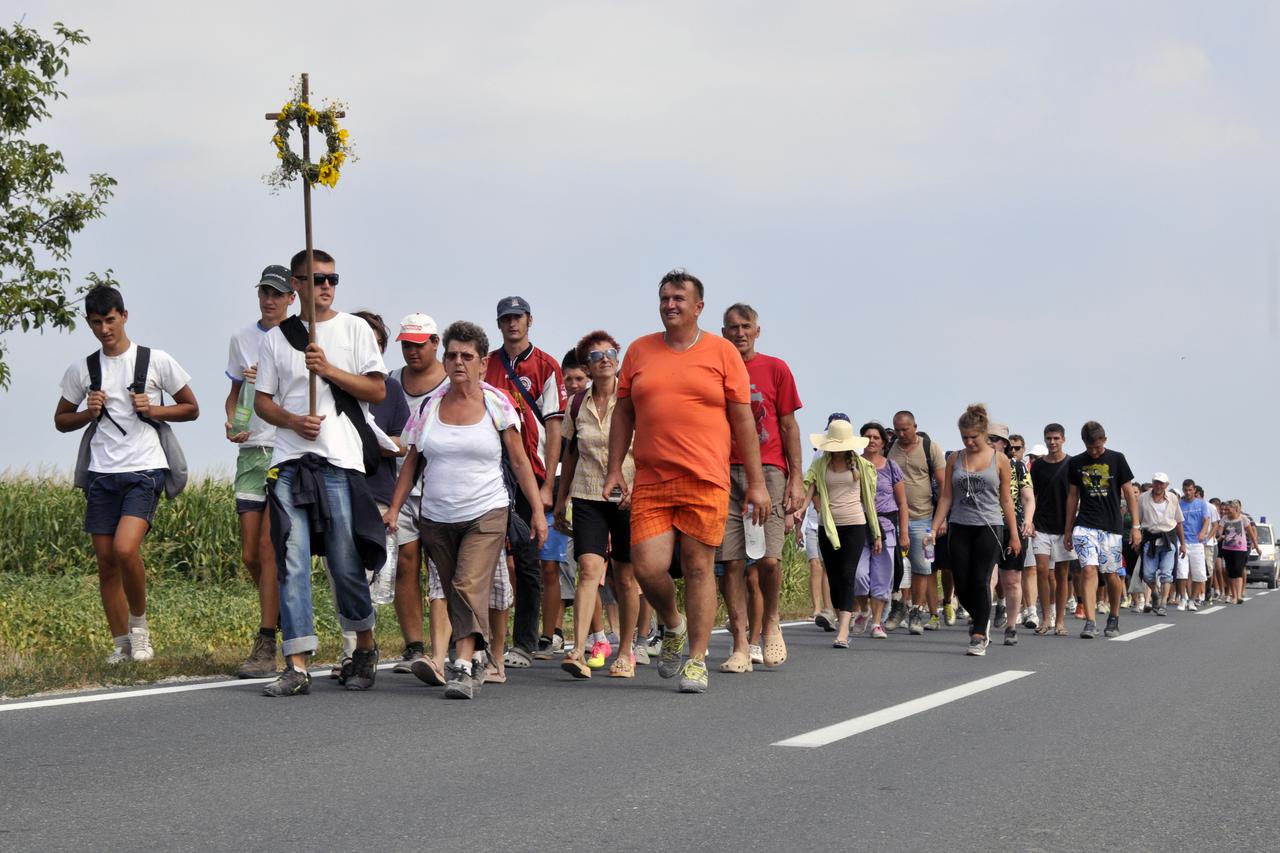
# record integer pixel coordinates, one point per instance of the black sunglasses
(319, 279)
(597, 355)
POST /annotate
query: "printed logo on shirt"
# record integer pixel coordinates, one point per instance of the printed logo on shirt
(527, 383)
(1097, 479)
(757, 409)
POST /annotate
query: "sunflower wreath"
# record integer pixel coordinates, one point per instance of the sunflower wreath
(337, 142)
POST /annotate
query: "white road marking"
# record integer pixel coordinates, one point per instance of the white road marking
(1213, 609)
(160, 690)
(1124, 638)
(866, 722)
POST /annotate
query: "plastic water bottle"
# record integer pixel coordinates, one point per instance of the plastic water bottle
(383, 588)
(928, 548)
(754, 534)
(244, 409)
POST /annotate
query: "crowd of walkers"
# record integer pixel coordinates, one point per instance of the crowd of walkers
(504, 479)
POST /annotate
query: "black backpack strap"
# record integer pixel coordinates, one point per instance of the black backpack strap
(523, 391)
(574, 407)
(142, 364)
(94, 364)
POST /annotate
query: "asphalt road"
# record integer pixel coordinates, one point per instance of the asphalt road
(1166, 742)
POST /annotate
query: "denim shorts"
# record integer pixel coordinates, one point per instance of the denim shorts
(555, 548)
(111, 496)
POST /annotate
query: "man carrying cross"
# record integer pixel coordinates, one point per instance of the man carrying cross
(317, 492)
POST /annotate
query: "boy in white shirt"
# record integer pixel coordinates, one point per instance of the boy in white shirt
(127, 465)
(317, 492)
(254, 440)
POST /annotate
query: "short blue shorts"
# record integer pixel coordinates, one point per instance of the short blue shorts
(111, 496)
(556, 549)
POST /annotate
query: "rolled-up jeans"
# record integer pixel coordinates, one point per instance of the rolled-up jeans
(350, 586)
(1158, 563)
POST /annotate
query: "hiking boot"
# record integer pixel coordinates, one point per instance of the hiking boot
(1113, 627)
(896, 614)
(1011, 636)
(1002, 617)
(1089, 631)
(261, 662)
(673, 646)
(915, 621)
(404, 666)
(693, 677)
(140, 644)
(362, 670)
(544, 650)
(461, 683)
(291, 682)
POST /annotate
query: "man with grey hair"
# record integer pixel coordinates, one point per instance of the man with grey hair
(774, 402)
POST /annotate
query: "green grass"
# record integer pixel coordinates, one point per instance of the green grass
(202, 609)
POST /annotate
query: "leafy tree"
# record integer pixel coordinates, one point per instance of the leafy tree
(36, 223)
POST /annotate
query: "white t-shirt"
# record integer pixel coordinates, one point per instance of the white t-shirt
(138, 447)
(415, 403)
(463, 475)
(1212, 517)
(349, 345)
(241, 355)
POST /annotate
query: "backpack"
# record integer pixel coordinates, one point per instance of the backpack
(348, 406)
(574, 407)
(176, 480)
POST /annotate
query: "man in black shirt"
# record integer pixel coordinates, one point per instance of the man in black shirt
(1095, 522)
(1053, 556)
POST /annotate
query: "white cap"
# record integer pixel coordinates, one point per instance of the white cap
(1039, 450)
(416, 328)
(1160, 477)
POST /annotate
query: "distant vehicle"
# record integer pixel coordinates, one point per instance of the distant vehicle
(1262, 566)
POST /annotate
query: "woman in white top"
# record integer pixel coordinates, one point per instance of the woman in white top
(461, 435)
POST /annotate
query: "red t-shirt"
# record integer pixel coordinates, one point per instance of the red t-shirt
(680, 399)
(540, 374)
(773, 396)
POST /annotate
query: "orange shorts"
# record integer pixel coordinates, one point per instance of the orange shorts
(695, 507)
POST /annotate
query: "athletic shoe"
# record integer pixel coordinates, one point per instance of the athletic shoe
(673, 647)
(404, 666)
(1011, 636)
(261, 662)
(877, 632)
(1113, 627)
(821, 620)
(363, 670)
(949, 614)
(1160, 611)
(600, 652)
(934, 623)
(461, 684)
(1182, 604)
(1002, 617)
(1080, 610)
(896, 613)
(654, 642)
(1104, 608)
(120, 655)
(693, 677)
(140, 644)
(1127, 601)
(915, 621)
(340, 669)
(1033, 619)
(977, 647)
(291, 682)
(557, 642)
(860, 623)
(544, 650)
(1191, 605)
(961, 613)
(1147, 608)
(1089, 631)
(640, 653)
(757, 655)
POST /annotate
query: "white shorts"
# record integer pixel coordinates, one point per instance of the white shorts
(501, 597)
(1193, 565)
(1051, 544)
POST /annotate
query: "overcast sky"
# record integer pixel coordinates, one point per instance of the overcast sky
(1065, 210)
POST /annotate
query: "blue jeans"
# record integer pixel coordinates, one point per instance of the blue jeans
(350, 587)
(916, 531)
(1157, 563)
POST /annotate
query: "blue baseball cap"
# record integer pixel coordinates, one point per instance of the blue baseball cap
(513, 305)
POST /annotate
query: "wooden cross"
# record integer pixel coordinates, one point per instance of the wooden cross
(308, 304)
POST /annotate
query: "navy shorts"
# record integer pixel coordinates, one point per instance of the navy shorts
(111, 496)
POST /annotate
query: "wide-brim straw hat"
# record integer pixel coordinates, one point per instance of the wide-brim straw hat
(838, 438)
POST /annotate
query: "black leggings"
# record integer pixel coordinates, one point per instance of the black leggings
(973, 552)
(1235, 560)
(842, 564)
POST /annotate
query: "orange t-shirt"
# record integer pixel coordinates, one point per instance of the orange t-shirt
(681, 400)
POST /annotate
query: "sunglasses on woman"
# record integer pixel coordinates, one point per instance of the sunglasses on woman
(598, 355)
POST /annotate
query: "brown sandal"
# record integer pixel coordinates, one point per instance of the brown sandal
(1043, 629)
(623, 667)
(1060, 631)
(575, 667)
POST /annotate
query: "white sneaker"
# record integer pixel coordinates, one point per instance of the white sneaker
(860, 624)
(119, 656)
(1182, 604)
(757, 655)
(140, 644)
(1191, 605)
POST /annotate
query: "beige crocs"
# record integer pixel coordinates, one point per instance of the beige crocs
(775, 648)
(737, 662)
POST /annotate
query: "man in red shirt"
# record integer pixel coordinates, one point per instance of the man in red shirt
(534, 381)
(774, 401)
